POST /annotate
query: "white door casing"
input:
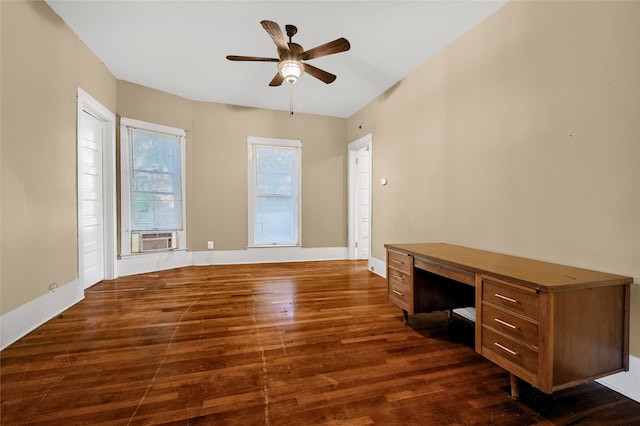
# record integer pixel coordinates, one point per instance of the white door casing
(359, 206)
(96, 152)
(91, 211)
(362, 203)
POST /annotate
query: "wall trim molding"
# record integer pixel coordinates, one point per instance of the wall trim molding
(378, 267)
(23, 320)
(152, 262)
(268, 255)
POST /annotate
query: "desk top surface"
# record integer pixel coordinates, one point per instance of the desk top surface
(536, 274)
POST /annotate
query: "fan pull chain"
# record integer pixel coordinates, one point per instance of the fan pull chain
(290, 100)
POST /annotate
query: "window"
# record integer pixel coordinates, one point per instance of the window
(274, 192)
(152, 187)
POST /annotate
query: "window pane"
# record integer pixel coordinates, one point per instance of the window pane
(274, 192)
(156, 188)
(275, 170)
(155, 152)
(154, 211)
(155, 182)
(275, 221)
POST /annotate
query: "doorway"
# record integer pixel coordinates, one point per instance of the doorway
(359, 175)
(96, 191)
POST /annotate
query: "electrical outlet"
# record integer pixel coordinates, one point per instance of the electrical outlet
(209, 245)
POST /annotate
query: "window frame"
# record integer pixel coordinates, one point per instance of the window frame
(125, 183)
(253, 141)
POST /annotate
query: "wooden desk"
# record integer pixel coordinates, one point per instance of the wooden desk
(553, 326)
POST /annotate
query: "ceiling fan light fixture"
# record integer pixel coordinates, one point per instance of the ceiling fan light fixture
(290, 70)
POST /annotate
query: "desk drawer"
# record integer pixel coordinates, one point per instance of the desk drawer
(514, 326)
(510, 298)
(399, 279)
(400, 261)
(509, 350)
(448, 271)
(400, 290)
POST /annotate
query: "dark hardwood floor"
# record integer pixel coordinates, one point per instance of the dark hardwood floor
(278, 344)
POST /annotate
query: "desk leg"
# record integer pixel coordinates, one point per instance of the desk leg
(405, 317)
(515, 387)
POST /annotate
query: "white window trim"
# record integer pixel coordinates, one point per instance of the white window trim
(255, 140)
(125, 207)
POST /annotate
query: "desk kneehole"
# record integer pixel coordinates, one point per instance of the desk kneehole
(445, 270)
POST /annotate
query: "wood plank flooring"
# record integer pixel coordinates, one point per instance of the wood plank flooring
(278, 344)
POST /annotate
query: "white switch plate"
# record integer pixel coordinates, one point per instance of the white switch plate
(209, 245)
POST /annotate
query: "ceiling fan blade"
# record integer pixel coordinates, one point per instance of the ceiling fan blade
(251, 58)
(335, 46)
(275, 32)
(277, 80)
(321, 75)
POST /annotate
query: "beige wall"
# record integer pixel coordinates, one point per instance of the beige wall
(43, 63)
(217, 164)
(522, 137)
(154, 106)
(217, 182)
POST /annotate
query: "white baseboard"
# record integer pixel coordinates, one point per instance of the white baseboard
(626, 382)
(378, 267)
(151, 262)
(21, 321)
(267, 255)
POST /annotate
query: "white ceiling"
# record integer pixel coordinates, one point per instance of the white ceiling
(180, 46)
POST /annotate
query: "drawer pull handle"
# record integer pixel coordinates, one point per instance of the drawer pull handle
(398, 261)
(506, 324)
(509, 351)
(398, 277)
(397, 292)
(508, 299)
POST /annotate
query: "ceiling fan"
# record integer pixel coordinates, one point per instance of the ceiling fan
(291, 55)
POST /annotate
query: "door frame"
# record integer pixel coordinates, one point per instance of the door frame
(86, 103)
(353, 149)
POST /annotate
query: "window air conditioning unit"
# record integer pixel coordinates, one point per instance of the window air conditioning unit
(142, 242)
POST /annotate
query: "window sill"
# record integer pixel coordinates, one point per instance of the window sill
(148, 253)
